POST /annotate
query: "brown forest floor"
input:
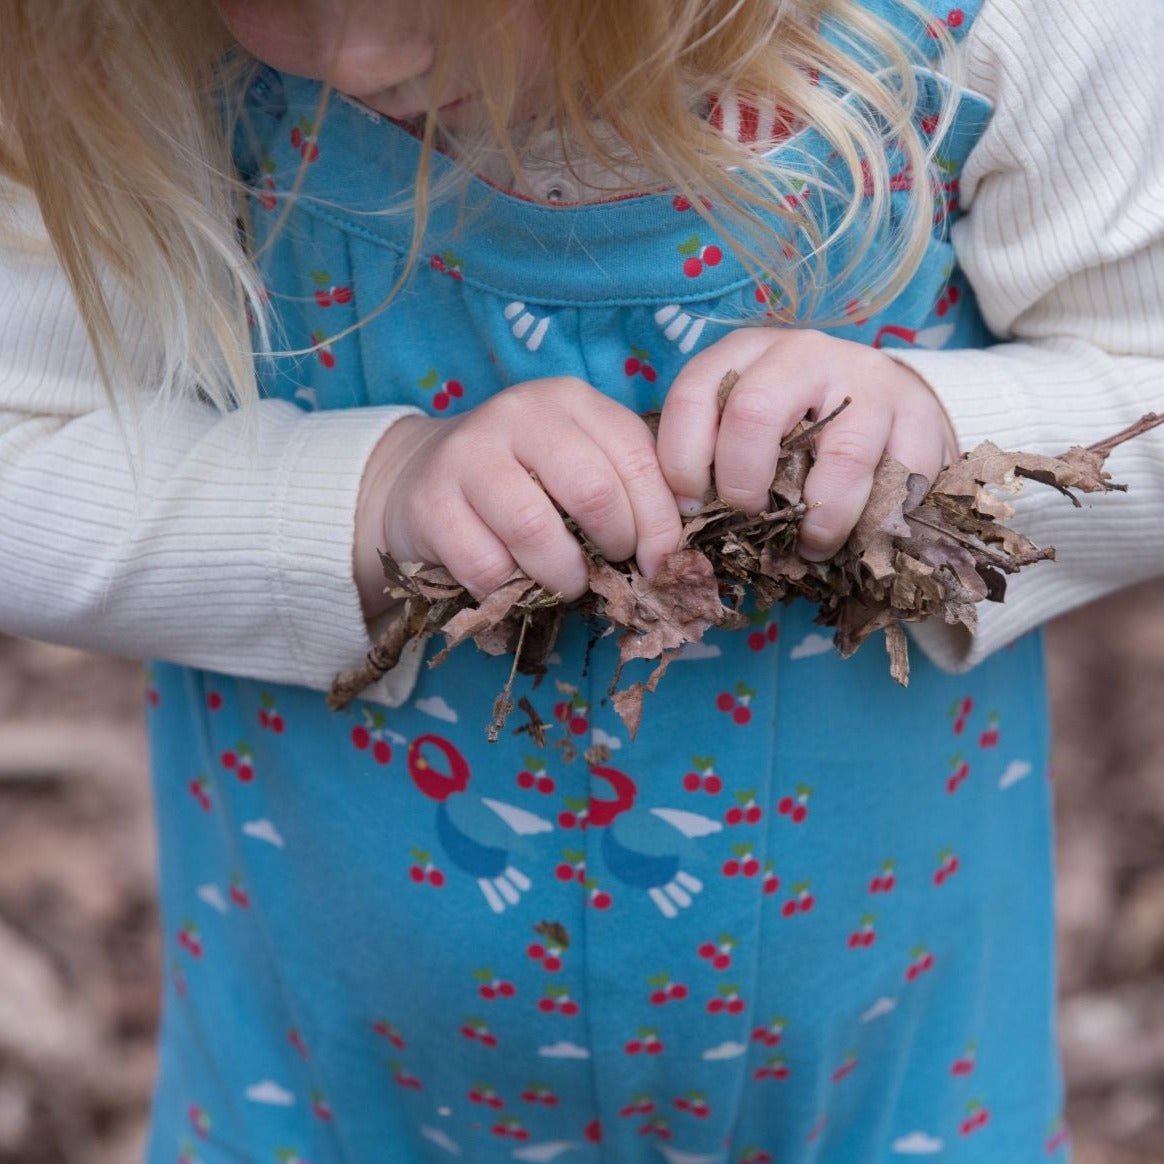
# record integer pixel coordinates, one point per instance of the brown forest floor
(79, 944)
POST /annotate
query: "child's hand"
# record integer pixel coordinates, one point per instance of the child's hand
(783, 374)
(458, 491)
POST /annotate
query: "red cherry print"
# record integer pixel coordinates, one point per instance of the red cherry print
(750, 867)
(680, 203)
(734, 815)
(213, 700)
(655, 1048)
(799, 813)
(525, 780)
(757, 640)
(786, 805)
(731, 868)
(536, 951)
(564, 872)
(506, 989)
(436, 877)
(569, 1007)
(567, 820)
(326, 358)
(228, 760)
(807, 902)
(648, 373)
(955, 17)
(440, 401)
(713, 785)
(692, 267)
(721, 961)
(245, 773)
(341, 294)
(552, 963)
(742, 715)
(677, 991)
(545, 785)
(632, 365)
(725, 701)
(707, 950)
(633, 1047)
(361, 736)
(712, 255)
(322, 297)
(692, 782)
(773, 632)
(788, 908)
(602, 900)
(658, 997)
(579, 725)
(296, 137)
(752, 814)
(382, 751)
(545, 1005)
(276, 723)
(416, 873)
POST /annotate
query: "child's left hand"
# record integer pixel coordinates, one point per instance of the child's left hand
(782, 374)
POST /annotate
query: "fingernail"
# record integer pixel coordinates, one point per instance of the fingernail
(689, 505)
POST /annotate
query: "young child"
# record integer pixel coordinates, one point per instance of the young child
(807, 914)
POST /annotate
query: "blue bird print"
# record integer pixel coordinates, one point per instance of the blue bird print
(477, 834)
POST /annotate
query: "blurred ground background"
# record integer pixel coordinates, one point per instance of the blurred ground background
(79, 947)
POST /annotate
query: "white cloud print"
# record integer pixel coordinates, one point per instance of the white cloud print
(263, 830)
(811, 644)
(598, 736)
(917, 1144)
(268, 1091)
(728, 1050)
(563, 1050)
(435, 706)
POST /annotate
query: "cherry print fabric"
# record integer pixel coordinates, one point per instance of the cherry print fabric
(806, 916)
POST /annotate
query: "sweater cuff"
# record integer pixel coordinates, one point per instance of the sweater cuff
(982, 406)
(314, 522)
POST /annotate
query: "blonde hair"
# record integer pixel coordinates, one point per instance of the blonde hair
(112, 114)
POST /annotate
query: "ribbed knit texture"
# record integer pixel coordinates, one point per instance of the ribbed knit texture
(1064, 245)
(225, 558)
(244, 565)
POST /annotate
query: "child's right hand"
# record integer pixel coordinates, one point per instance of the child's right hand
(458, 491)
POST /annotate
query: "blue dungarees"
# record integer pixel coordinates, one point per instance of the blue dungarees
(805, 916)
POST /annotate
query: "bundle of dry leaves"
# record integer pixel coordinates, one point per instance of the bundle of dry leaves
(918, 551)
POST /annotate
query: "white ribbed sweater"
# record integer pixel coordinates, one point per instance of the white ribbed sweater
(245, 567)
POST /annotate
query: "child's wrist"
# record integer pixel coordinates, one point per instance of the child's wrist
(380, 472)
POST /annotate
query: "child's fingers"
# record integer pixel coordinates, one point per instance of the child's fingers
(519, 512)
(627, 442)
(577, 472)
(467, 547)
(766, 402)
(918, 445)
(841, 478)
(689, 420)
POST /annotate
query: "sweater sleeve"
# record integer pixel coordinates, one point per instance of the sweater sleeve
(186, 542)
(1063, 243)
